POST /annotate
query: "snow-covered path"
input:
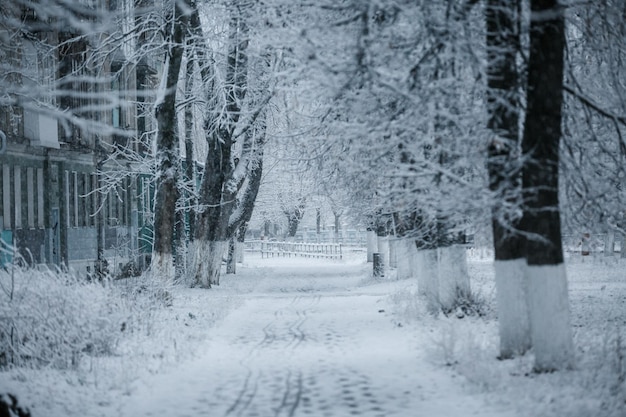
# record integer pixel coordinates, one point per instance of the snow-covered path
(309, 340)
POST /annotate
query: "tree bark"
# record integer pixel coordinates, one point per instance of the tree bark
(502, 19)
(294, 215)
(238, 223)
(167, 154)
(190, 168)
(548, 298)
(372, 245)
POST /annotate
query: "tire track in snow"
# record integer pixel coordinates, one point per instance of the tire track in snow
(282, 327)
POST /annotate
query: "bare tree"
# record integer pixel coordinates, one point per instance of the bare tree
(234, 129)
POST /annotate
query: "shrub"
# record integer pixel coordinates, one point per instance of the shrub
(466, 303)
(52, 318)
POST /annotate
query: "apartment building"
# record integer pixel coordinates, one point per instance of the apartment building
(72, 106)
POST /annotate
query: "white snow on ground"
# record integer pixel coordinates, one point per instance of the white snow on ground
(300, 337)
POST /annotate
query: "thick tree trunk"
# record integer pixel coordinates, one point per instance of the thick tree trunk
(240, 245)
(393, 252)
(294, 215)
(428, 278)
(235, 251)
(548, 298)
(609, 243)
(207, 256)
(318, 220)
(167, 153)
(218, 189)
(190, 168)
(382, 242)
(372, 245)
(101, 270)
(337, 216)
(231, 257)
(453, 283)
(502, 18)
(238, 222)
(405, 247)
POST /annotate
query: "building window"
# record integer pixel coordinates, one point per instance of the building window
(17, 183)
(75, 198)
(30, 195)
(40, 188)
(84, 200)
(66, 194)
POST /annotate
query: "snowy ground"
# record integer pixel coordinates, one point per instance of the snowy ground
(300, 337)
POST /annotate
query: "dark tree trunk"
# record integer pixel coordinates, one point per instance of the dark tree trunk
(190, 168)
(549, 311)
(294, 215)
(239, 224)
(231, 259)
(502, 18)
(542, 133)
(337, 225)
(503, 106)
(318, 220)
(167, 153)
(100, 268)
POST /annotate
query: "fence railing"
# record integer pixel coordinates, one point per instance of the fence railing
(288, 249)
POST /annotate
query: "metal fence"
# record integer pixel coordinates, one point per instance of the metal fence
(293, 249)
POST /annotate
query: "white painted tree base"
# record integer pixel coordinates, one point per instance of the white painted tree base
(404, 254)
(383, 249)
(207, 261)
(428, 278)
(551, 331)
(512, 301)
(453, 278)
(372, 245)
(393, 252)
(162, 268)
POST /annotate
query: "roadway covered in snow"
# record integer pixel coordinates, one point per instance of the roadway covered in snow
(314, 338)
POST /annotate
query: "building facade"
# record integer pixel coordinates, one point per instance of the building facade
(69, 196)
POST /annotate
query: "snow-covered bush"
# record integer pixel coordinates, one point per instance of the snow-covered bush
(52, 318)
(466, 303)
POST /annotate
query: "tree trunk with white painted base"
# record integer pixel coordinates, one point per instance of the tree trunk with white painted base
(167, 149)
(453, 281)
(207, 261)
(428, 278)
(403, 255)
(551, 333)
(609, 243)
(513, 311)
(231, 256)
(382, 242)
(162, 268)
(372, 245)
(393, 252)
(550, 317)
